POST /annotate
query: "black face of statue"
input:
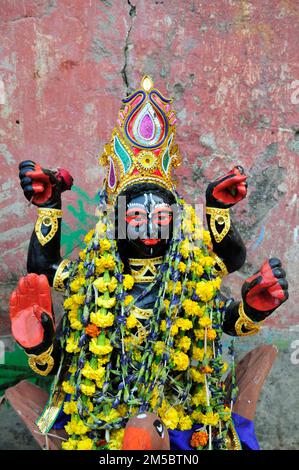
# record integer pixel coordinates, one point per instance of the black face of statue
(147, 217)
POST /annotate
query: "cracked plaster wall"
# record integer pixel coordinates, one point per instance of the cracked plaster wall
(231, 67)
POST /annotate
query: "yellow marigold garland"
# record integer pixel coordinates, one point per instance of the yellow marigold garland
(184, 353)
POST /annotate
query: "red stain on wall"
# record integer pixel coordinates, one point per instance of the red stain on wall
(231, 67)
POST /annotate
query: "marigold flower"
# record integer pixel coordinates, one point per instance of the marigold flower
(182, 267)
(128, 300)
(200, 398)
(171, 418)
(72, 345)
(100, 284)
(70, 444)
(88, 236)
(116, 439)
(181, 361)
(128, 281)
(131, 321)
(185, 423)
(159, 347)
(198, 354)
(88, 388)
(92, 330)
(199, 439)
(196, 375)
(184, 248)
(211, 334)
(205, 322)
(105, 245)
(85, 444)
(184, 343)
(106, 303)
(77, 284)
(100, 349)
(204, 290)
(197, 269)
(184, 324)
(68, 387)
(75, 323)
(70, 407)
(174, 330)
(102, 320)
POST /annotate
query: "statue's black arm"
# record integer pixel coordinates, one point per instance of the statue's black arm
(231, 249)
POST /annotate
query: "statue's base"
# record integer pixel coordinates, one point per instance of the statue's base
(29, 400)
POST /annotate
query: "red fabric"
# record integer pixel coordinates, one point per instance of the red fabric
(267, 294)
(28, 301)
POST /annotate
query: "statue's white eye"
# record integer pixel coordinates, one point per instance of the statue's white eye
(141, 416)
(159, 428)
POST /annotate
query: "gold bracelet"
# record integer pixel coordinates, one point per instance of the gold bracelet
(222, 217)
(48, 218)
(223, 269)
(43, 359)
(61, 275)
(246, 322)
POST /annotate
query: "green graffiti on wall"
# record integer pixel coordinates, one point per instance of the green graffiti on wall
(83, 212)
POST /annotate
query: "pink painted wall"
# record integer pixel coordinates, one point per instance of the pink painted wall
(231, 67)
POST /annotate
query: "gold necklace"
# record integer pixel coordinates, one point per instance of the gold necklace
(145, 269)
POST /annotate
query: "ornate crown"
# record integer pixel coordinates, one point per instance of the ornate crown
(141, 148)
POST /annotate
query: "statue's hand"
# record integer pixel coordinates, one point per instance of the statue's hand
(30, 309)
(43, 187)
(266, 290)
(227, 190)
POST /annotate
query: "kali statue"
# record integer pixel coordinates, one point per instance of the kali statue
(137, 357)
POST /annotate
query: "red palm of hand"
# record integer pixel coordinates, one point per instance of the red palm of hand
(31, 311)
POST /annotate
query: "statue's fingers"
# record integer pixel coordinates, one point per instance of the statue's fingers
(25, 170)
(239, 168)
(253, 282)
(49, 327)
(44, 294)
(278, 289)
(22, 285)
(274, 263)
(32, 284)
(38, 173)
(34, 188)
(13, 304)
(27, 163)
(25, 181)
(279, 272)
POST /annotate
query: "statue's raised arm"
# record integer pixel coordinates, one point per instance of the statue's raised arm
(221, 195)
(32, 320)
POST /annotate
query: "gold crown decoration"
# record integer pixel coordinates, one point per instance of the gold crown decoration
(142, 145)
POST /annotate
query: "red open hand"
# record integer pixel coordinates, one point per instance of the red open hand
(227, 190)
(266, 290)
(31, 315)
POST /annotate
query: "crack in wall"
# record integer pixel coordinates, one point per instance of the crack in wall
(132, 13)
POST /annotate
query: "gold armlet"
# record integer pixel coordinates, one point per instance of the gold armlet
(43, 359)
(222, 217)
(47, 218)
(222, 271)
(245, 322)
(62, 273)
